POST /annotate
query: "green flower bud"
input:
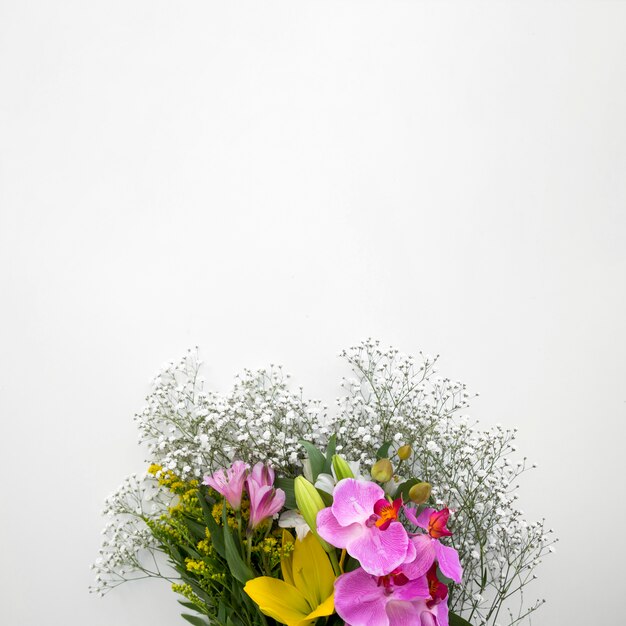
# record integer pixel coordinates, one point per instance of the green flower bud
(310, 503)
(382, 470)
(420, 492)
(341, 467)
(405, 452)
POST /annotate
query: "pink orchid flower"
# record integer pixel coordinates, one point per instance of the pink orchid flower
(229, 482)
(434, 610)
(392, 600)
(265, 501)
(428, 547)
(363, 522)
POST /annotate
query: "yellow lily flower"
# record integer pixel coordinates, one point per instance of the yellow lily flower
(307, 591)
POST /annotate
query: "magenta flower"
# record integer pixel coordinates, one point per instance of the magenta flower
(392, 600)
(229, 482)
(265, 501)
(434, 610)
(429, 549)
(363, 522)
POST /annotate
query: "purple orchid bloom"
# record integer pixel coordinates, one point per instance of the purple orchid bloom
(265, 501)
(429, 549)
(363, 522)
(392, 600)
(229, 482)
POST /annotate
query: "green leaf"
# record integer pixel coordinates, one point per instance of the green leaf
(443, 578)
(404, 488)
(317, 459)
(217, 536)
(286, 484)
(199, 591)
(196, 620)
(221, 612)
(188, 605)
(175, 553)
(238, 567)
(330, 452)
(383, 451)
(455, 620)
(195, 528)
(350, 564)
(327, 499)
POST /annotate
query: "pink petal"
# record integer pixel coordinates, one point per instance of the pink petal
(381, 505)
(380, 552)
(425, 554)
(214, 483)
(442, 614)
(410, 513)
(359, 599)
(423, 519)
(411, 552)
(401, 613)
(449, 564)
(277, 503)
(413, 589)
(262, 474)
(428, 619)
(265, 501)
(354, 500)
(330, 530)
(438, 524)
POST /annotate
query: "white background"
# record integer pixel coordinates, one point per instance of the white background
(274, 181)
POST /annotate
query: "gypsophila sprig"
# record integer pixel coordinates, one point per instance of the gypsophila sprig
(189, 430)
(222, 469)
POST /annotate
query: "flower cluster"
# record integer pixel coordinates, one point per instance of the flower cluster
(397, 580)
(369, 490)
(265, 500)
(473, 471)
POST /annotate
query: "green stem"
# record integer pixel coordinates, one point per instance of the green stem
(249, 549)
(334, 562)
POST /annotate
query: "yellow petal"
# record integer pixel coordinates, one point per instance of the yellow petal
(278, 600)
(326, 608)
(312, 572)
(286, 562)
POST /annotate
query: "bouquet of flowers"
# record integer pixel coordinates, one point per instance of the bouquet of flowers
(260, 508)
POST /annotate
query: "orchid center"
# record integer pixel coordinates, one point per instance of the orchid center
(386, 512)
(438, 591)
(437, 525)
(394, 579)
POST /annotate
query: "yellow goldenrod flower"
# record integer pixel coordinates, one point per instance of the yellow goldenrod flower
(306, 592)
(154, 468)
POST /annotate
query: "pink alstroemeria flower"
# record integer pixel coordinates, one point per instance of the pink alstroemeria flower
(363, 522)
(428, 547)
(392, 600)
(229, 482)
(265, 501)
(262, 474)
